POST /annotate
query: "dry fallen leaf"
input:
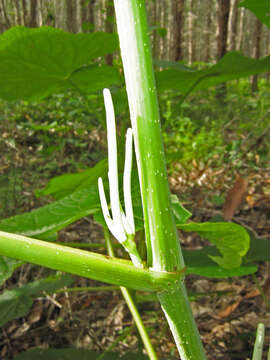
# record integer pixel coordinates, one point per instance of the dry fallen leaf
(234, 198)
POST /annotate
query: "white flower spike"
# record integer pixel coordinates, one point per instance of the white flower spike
(121, 225)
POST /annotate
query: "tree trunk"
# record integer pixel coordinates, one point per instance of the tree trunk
(109, 21)
(223, 20)
(177, 28)
(17, 8)
(190, 32)
(91, 13)
(156, 37)
(5, 24)
(33, 14)
(257, 51)
(71, 15)
(233, 25)
(24, 12)
(241, 30)
(208, 31)
(164, 24)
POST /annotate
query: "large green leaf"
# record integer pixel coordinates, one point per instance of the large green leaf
(63, 185)
(199, 262)
(232, 66)
(7, 267)
(260, 8)
(17, 302)
(232, 241)
(55, 216)
(259, 249)
(35, 63)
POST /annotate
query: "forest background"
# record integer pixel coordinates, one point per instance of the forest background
(224, 132)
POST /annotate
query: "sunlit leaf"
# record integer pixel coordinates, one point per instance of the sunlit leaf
(55, 216)
(232, 241)
(199, 262)
(37, 62)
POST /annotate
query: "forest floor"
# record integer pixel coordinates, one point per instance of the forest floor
(227, 311)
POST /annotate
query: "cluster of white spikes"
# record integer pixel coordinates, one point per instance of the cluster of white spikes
(120, 224)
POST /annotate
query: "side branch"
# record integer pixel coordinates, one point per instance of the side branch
(84, 263)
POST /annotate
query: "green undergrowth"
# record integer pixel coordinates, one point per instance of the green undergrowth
(204, 129)
(70, 128)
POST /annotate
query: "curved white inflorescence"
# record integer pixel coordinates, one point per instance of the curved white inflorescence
(120, 224)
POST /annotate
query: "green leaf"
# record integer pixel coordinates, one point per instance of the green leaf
(7, 267)
(63, 185)
(260, 8)
(13, 304)
(199, 262)
(17, 302)
(259, 249)
(48, 284)
(93, 78)
(55, 216)
(232, 241)
(37, 62)
(180, 213)
(172, 64)
(72, 353)
(232, 66)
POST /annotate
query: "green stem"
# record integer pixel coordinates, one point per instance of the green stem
(87, 288)
(164, 253)
(86, 245)
(163, 247)
(132, 307)
(83, 263)
(258, 346)
(258, 285)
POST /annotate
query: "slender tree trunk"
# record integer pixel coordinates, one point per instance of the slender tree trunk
(257, 51)
(17, 8)
(71, 15)
(241, 29)
(79, 15)
(109, 21)
(177, 18)
(223, 20)
(156, 37)
(164, 23)
(40, 12)
(33, 14)
(233, 25)
(208, 31)
(91, 13)
(5, 24)
(24, 12)
(190, 32)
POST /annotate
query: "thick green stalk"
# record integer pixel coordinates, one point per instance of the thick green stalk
(163, 247)
(163, 254)
(84, 263)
